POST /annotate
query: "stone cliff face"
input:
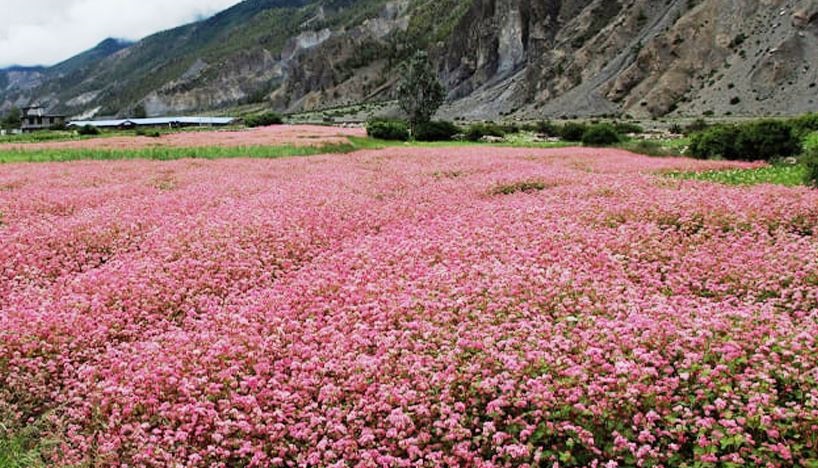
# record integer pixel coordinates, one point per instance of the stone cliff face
(521, 58)
(638, 57)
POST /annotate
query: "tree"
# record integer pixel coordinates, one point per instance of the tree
(420, 92)
(139, 112)
(12, 120)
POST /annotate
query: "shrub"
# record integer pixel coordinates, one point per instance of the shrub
(88, 130)
(510, 128)
(548, 128)
(12, 120)
(698, 125)
(767, 139)
(624, 128)
(439, 130)
(811, 163)
(717, 141)
(762, 140)
(601, 135)
(394, 130)
(572, 131)
(804, 124)
(810, 159)
(263, 120)
(148, 133)
(477, 131)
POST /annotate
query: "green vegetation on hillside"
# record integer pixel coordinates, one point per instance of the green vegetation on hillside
(434, 20)
(253, 30)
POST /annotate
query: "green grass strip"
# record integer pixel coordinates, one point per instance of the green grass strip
(170, 153)
(790, 176)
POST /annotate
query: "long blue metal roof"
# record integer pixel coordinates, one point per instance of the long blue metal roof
(155, 121)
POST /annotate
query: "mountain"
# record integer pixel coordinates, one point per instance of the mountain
(25, 85)
(524, 58)
(20, 78)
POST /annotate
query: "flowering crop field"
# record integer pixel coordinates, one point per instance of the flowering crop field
(297, 135)
(408, 307)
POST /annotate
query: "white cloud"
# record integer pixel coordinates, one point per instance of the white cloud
(45, 32)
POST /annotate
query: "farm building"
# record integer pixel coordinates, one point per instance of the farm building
(36, 118)
(173, 122)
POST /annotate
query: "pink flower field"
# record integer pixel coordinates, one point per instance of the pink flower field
(276, 135)
(408, 307)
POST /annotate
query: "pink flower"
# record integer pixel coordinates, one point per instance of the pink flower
(392, 308)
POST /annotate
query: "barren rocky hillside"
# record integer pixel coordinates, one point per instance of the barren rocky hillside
(525, 58)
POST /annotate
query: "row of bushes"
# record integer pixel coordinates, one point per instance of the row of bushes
(761, 140)
(88, 130)
(398, 130)
(263, 120)
(601, 134)
(392, 130)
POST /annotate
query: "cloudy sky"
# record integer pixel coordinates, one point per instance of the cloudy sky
(45, 32)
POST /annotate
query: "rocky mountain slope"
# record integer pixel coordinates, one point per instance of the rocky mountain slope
(523, 58)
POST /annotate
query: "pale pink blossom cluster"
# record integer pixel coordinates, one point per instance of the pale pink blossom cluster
(393, 308)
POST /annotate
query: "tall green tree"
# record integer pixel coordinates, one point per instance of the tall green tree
(420, 92)
(13, 119)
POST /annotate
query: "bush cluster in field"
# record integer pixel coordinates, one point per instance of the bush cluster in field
(263, 120)
(595, 134)
(88, 130)
(151, 133)
(759, 140)
(755, 141)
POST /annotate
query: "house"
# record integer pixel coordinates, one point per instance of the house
(36, 118)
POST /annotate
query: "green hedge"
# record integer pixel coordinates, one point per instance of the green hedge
(263, 120)
(440, 130)
(477, 131)
(624, 128)
(394, 130)
(761, 140)
(547, 128)
(88, 130)
(572, 131)
(601, 135)
(805, 124)
(811, 162)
